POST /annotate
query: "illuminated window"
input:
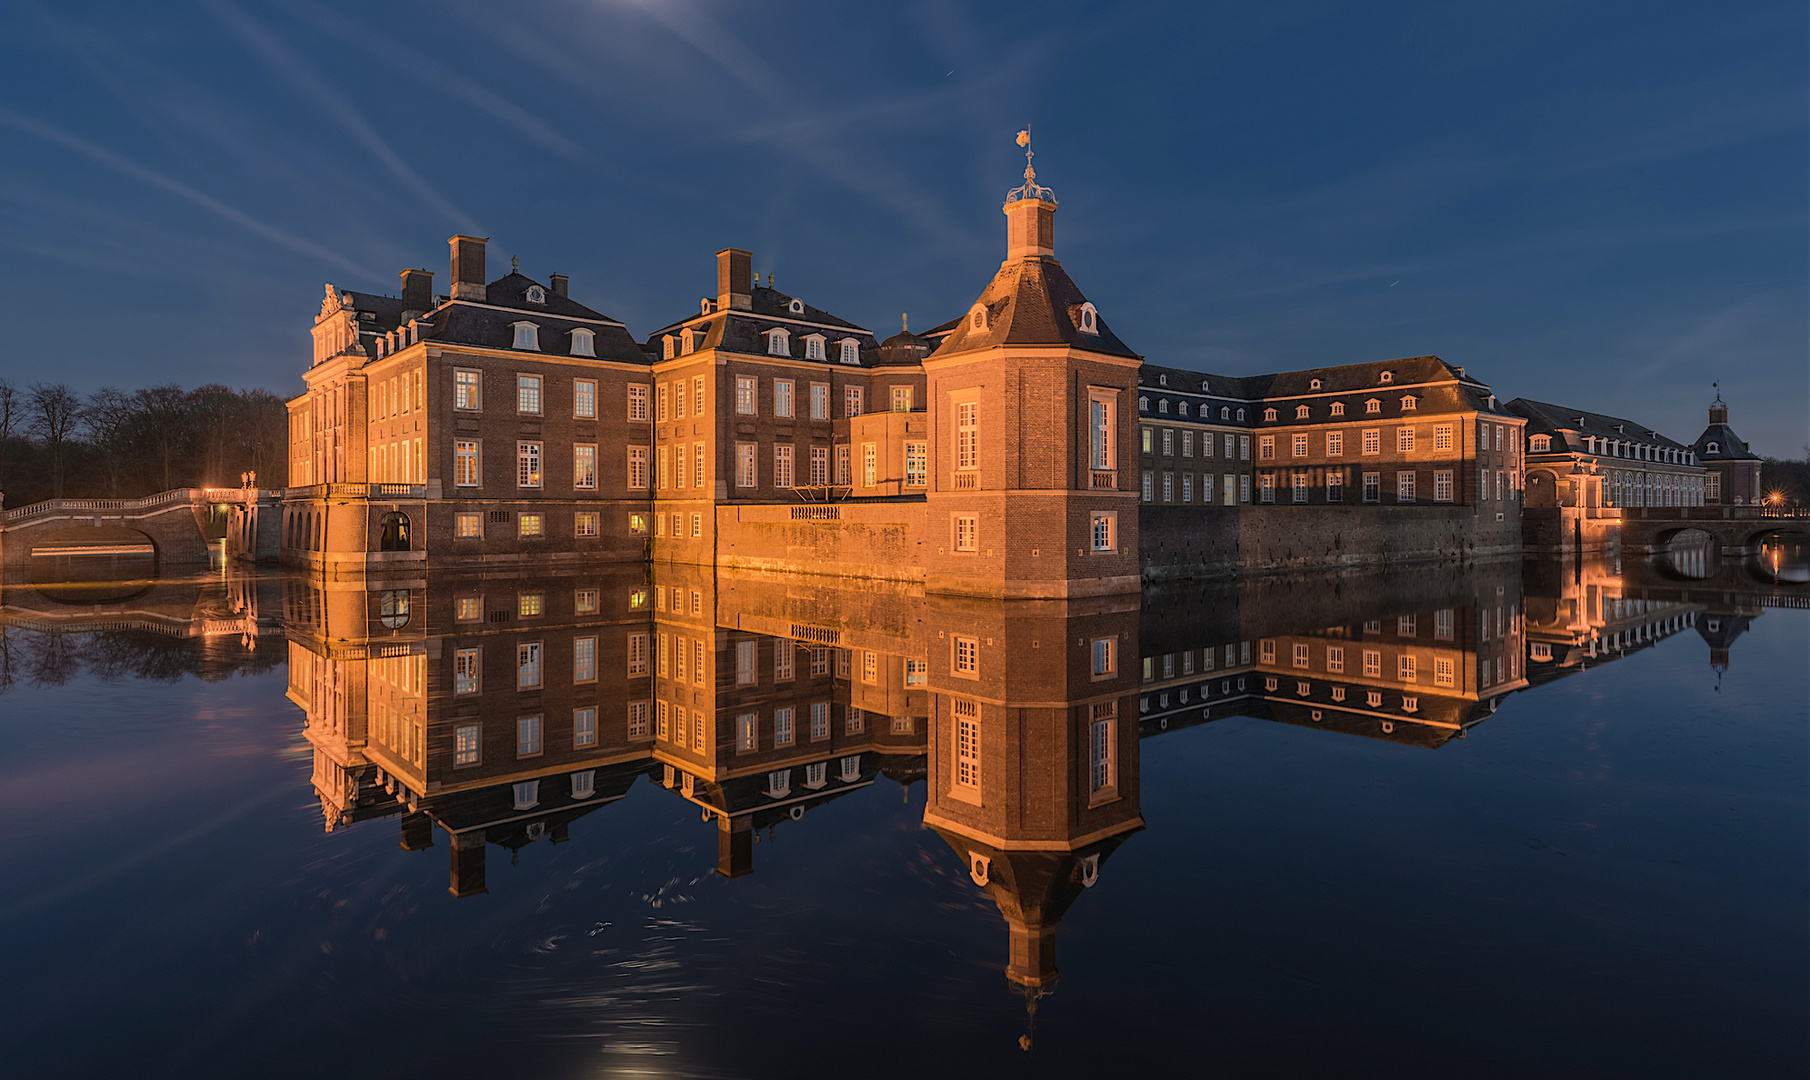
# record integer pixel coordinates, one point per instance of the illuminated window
(465, 390)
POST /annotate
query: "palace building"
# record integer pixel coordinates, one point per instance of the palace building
(1578, 458)
(1020, 449)
(1731, 472)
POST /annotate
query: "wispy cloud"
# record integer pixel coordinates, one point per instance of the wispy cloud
(399, 57)
(337, 106)
(100, 155)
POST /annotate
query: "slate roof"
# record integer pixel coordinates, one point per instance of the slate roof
(1572, 425)
(746, 331)
(1356, 379)
(460, 323)
(385, 311)
(1032, 302)
(1729, 446)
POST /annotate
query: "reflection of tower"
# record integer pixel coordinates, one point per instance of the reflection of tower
(1719, 631)
(1033, 768)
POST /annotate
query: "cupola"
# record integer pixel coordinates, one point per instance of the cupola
(1030, 213)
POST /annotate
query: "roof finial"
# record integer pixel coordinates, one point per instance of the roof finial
(515, 264)
(904, 322)
(1031, 189)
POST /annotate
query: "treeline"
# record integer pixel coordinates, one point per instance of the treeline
(1788, 477)
(117, 444)
(33, 659)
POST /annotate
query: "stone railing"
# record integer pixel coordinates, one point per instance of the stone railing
(1103, 479)
(967, 481)
(64, 506)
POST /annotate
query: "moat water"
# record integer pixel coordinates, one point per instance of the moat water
(1594, 865)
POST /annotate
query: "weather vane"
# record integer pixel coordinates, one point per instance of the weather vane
(1030, 189)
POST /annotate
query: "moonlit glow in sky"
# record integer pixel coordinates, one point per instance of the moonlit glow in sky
(1602, 205)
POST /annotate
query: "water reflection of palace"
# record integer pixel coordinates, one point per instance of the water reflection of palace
(498, 709)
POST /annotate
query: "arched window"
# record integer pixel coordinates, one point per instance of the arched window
(813, 347)
(393, 533)
(1315, 385)
(1712, 448)
(1143, 404)
(670, 347)
(688, 340)
(1269, 414)
(1183, 407)
(1241, 414)
(851, 351)
(1301, 412)
(779, 343)
(1225, 413)
(1162, 380)
(1386, 377)
(797, 307)
(1090, 325)
(393, 608)
(1163, 405)
(527, 336)
(1539, 444)
(978, 320)
(582, 343)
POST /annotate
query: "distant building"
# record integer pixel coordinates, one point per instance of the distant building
(1732, 471)
(1578, 458)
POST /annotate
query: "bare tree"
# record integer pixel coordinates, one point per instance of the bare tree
(54, 412)
(165, 409)
(107, 420)
(12, 406)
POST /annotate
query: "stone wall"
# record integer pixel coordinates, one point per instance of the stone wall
(1183, 542)
(862, 540)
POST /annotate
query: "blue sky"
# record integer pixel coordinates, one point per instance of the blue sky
(1596, 204)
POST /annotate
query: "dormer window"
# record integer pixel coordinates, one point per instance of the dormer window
(851, 351)
(1241, 415)
(688, 340)
(1386, 377)
(1269, 414)
(583, 343)
(1090, 325)
(669, 347)
(1540, 444)
(1225, 413)
(1315, 385)
(527, 336)
(813, 347)
(1143, 404)
(1206, 388)
(706, 305)
(1373, 406)
(1183, 408)
(1408, 402)
(779, 343)
(535, 295)
(977, 320)
(1338, 408)
(1712, 448)
(1301, 412)
(796, 307)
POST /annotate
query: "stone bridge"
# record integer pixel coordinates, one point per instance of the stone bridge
(89, 538)
(1739, 529)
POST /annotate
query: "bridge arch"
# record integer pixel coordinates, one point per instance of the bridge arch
(1542, 489)
(86, 553)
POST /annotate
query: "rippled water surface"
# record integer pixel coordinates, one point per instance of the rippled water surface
(1593, 866)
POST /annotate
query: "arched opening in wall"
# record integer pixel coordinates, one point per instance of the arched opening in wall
(90, 564)
(1781, 557)
(1689, 555)
(1542, 490)
(393, 532)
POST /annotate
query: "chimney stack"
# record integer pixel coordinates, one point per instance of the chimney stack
(468, 267)
(559, 283)
(734, 280)
(417, 293)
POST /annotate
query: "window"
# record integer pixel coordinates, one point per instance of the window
(1373, 487)
(584, 659)
(901, 399)
(967, 745)
(1408, 402)
(779, 343)
(1269, 414)
(1404, 486)
(1404, 668)
(820, 401)
(527, 665)
(465, 390)
(782, 398)
(1300, 445)
(1386, 377)
(1244, 488)
(917, 464)
(1100, 747)
(468, 526)
(820, 465)
(637, 401)
(527, 465)
(1335, 658)
(1266, 488)
(465, 744)
(1105, 657)
(966, 532)
(1442, 437)
(1100, 428)
(1338, 408)
(967, 435)
(782, 726)
(1442, 485)
(1089, 319)
(584, 466)
(1187, 487)
(1144, 434)
(530, 605)
(782, 465)
(1404, 440)
(744, 395)
(1148, 481)
(1187, 444)
(813, 347)
(1169, 442)
(1373, 441)
(637, 719)
(870, 465)
(1335, 443)
(744, 465)
(1266, 448)
(465, 463)
(1163, 406)
(466, 679)
(527, 393)
(1168, 487)
(917, 672)
(637, 467)
(851, 351)
(584, 397)
(1300, 485)
(747, 733)
(527, 737)
(528, 526)
(966, 656)
(1541, 444)
(1244, 447)
(852, 400)
(1104, 528)
(784, 659)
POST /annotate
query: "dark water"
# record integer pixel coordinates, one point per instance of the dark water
(1595, 865)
